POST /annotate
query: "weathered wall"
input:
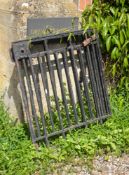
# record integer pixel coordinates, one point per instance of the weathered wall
(13, 18)
(8, 78)
(43, 8)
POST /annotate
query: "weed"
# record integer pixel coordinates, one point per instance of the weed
(19, 156)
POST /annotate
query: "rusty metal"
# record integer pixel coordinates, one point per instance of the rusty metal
(87, 41)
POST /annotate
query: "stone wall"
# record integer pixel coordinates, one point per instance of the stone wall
(13, 21)
(8, 78)
(43, 8)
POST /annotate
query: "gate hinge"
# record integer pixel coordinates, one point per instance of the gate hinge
(87, 41)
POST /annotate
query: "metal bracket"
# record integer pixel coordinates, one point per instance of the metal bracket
(87, 41)
(20, 49)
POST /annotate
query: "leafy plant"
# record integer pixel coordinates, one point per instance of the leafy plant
(111, 21)
(16, 151)
(19, 156)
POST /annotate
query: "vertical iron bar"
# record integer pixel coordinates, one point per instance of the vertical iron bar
(46, 80)
(31, 96)
(98, 83)
(92, 79)
(96, 80)
(77, 84)
(62, 87)
(69, 85)
(99, 59)
(52, 78)
(85, 82)
(39, 101)
(46, 90)
(25, 102)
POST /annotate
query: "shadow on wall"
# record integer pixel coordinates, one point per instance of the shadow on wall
(14, 92)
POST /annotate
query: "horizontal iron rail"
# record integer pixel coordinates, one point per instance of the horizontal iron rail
(47, 37)
(80, 125)
(22, 55)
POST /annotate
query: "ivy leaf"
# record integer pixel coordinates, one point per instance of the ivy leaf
(126, 83)
(127, 33)
(117, 2)
(122, 19)
(78, 147)
(112, 30)
(128, 21)
(86, 28)
(108, 43)
(114, 70)
(122, 81)
(125, 64)
(117, 42)
(122, 2)
(113, 146)
(127, 42)
(114, 53)
(91, 20)
(112, 10)
(104, 32)
(121, 37)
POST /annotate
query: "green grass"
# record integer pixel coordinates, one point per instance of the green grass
(18, 156)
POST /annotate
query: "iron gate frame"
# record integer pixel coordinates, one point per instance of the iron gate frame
(88, 50)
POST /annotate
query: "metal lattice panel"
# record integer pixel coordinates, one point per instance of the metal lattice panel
(62, 83)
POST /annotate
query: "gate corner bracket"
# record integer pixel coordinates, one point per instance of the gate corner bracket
(20, 49)
(87, 41)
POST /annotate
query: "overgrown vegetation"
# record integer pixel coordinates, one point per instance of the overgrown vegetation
(19, 156)
(111, 20)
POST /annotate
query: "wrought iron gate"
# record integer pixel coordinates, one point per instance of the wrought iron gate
(62, 83)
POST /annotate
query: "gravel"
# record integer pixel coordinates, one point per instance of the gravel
(102, 165)
(112, 166)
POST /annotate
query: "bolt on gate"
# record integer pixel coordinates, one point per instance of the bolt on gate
(62, 83)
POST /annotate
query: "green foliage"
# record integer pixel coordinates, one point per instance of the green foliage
(16, 151)
(111, 136)
(111, 20)
(19, 156)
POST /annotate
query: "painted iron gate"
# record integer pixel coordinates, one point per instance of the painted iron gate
(62, 83)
